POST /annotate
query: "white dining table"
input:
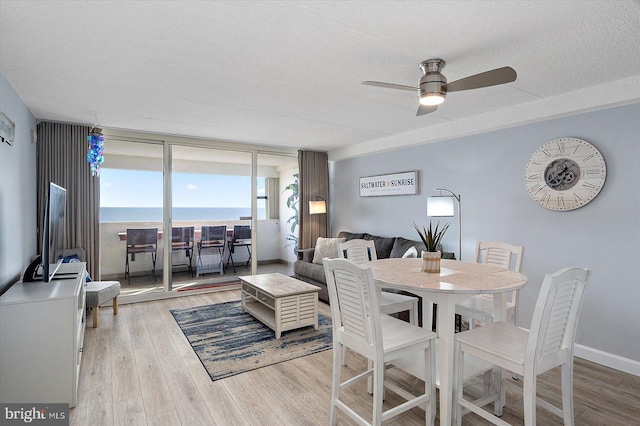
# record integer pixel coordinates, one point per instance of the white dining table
(456, 282)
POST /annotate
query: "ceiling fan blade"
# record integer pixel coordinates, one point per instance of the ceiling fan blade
(484, 79)
(389, 85)
(426, 109)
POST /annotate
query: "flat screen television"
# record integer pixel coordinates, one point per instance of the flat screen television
(44, 267)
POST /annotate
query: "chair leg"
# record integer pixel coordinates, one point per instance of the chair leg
(230, 258)
(499, 403)
(153, 271)
(249, 259)
(413, 313)
(529, 397)
(430, 384)
(567, 392)
(458, 384)
(222, 265)
(378, 392)
(126, 269)
(335, 385)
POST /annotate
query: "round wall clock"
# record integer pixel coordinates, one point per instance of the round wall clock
(565, 174)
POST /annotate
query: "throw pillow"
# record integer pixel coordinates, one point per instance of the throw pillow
(326, 247)
(412, 252)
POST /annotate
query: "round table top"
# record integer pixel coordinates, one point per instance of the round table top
(455, 276)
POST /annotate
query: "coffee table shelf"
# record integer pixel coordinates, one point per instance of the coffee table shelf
(281, 303)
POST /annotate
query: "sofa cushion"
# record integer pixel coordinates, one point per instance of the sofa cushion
(383, 245)
(310, 270)
(351, 235)
(411, 253)
(326, 247)
(401, 245)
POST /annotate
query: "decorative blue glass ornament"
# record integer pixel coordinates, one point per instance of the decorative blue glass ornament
(95, 151)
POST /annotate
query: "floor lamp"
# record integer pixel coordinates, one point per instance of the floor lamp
(442, 206)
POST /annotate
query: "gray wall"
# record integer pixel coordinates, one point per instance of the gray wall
(17, 189)
(488, 171)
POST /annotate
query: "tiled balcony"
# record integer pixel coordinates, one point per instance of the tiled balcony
(272, 255)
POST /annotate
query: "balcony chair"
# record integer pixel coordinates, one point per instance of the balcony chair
(182, 239)
(480, 307)
(212, 239)
(359, 326)
(548, 344)
(241, 238)
(141, 240)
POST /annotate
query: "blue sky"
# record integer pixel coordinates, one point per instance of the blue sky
(134, 188)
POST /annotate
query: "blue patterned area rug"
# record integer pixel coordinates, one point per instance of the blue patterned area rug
(229, 341)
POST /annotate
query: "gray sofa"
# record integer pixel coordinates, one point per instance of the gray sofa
(304, 269)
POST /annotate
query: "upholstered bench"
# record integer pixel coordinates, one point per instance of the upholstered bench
(99, 293)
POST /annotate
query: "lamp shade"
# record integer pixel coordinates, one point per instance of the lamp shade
(317, 207)
(440, 205)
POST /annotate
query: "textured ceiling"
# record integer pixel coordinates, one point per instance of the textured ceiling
(288, 73)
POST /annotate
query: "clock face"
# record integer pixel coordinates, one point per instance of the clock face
(565, 174)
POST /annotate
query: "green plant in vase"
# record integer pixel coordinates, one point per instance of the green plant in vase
(432, 238)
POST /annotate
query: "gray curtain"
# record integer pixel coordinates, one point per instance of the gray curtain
(314, 181)
(62, 159)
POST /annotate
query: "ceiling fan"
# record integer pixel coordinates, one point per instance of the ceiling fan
(433, 85)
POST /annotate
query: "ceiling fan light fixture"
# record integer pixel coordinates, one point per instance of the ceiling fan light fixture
(431, 99)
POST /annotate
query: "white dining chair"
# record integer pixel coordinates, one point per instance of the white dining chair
(362, 251)
(480, 307)
(549, 343)
(359, 326)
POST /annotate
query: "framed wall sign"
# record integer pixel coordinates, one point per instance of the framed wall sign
(405, 183)
(7, 129)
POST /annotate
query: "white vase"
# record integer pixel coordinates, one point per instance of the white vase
(431, 261)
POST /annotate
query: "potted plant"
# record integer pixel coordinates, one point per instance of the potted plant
(431, 237)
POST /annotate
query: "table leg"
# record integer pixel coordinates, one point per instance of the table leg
(446, 329)
(500, 314)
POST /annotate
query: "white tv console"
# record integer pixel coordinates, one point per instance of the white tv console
(41, 338)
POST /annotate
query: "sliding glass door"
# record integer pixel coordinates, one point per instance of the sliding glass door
(277, 199)
(131, 198)
(219, 213)
(210, 217)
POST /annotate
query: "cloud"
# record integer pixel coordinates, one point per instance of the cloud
(191, 187)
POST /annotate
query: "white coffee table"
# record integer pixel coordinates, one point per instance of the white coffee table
(281, 303)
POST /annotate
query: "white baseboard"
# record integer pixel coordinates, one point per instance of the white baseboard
(609, 360)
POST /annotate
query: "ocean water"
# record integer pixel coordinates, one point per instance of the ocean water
(146, 214)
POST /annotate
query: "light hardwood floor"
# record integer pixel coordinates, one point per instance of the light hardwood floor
(139, 369)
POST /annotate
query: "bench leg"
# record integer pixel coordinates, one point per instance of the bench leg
(115, 305)
(96, 312)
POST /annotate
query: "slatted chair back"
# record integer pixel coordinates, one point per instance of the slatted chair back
(357, 250)
(555, 318)
(352, 297)
(499, 253)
